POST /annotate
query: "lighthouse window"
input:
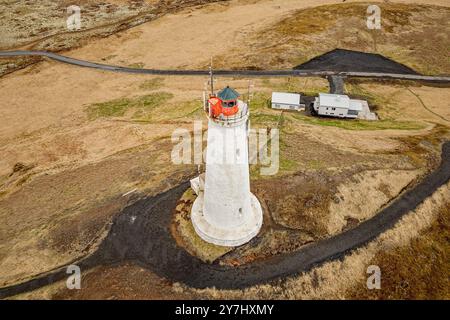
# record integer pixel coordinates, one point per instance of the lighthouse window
(238, 151)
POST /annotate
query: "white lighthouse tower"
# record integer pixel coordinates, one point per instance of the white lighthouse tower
(225, 212)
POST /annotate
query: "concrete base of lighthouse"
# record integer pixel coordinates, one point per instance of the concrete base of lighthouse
(223, 237)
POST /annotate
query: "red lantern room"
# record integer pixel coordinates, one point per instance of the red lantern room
(225, 103)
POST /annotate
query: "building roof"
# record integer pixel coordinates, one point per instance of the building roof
(334, 100)
(228, 94)
(286, 98)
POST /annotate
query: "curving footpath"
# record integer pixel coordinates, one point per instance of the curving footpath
(229, 73)
(141, 234)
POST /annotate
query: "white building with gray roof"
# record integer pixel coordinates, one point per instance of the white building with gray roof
(341, 106)
(286, 101)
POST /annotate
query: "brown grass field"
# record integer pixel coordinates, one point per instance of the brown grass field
(74, 141)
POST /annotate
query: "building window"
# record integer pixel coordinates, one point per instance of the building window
(333, 109)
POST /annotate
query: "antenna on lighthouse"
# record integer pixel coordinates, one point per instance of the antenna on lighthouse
(211, 77)
(249, 92)
(204, 100)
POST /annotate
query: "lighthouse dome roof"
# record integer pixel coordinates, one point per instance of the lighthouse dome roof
(228, 94)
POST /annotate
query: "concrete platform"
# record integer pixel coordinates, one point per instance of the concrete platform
(222, 237)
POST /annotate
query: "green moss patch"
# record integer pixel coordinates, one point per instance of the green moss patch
(184, 232)
(354, 124)
(152, 84)
(118, 107)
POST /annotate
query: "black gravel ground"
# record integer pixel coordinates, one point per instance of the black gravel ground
(342, 60)
(141, 234)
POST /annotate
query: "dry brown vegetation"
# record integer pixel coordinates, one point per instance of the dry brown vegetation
(55, 218)
(415, 35)
(418, 270)
(39, 25)
(339, 279)
(317, 160)
(42, 25)
(126, 281)
(124, 154)
(74, 140)
(336, 279)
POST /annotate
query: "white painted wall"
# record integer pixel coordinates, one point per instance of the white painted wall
(285, 106)
(337, 112)
(226, 213)
(227, 183)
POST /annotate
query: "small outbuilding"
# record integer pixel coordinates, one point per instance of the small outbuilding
(286, 101)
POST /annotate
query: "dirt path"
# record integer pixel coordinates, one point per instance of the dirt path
(426, 108)
(141, 234)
